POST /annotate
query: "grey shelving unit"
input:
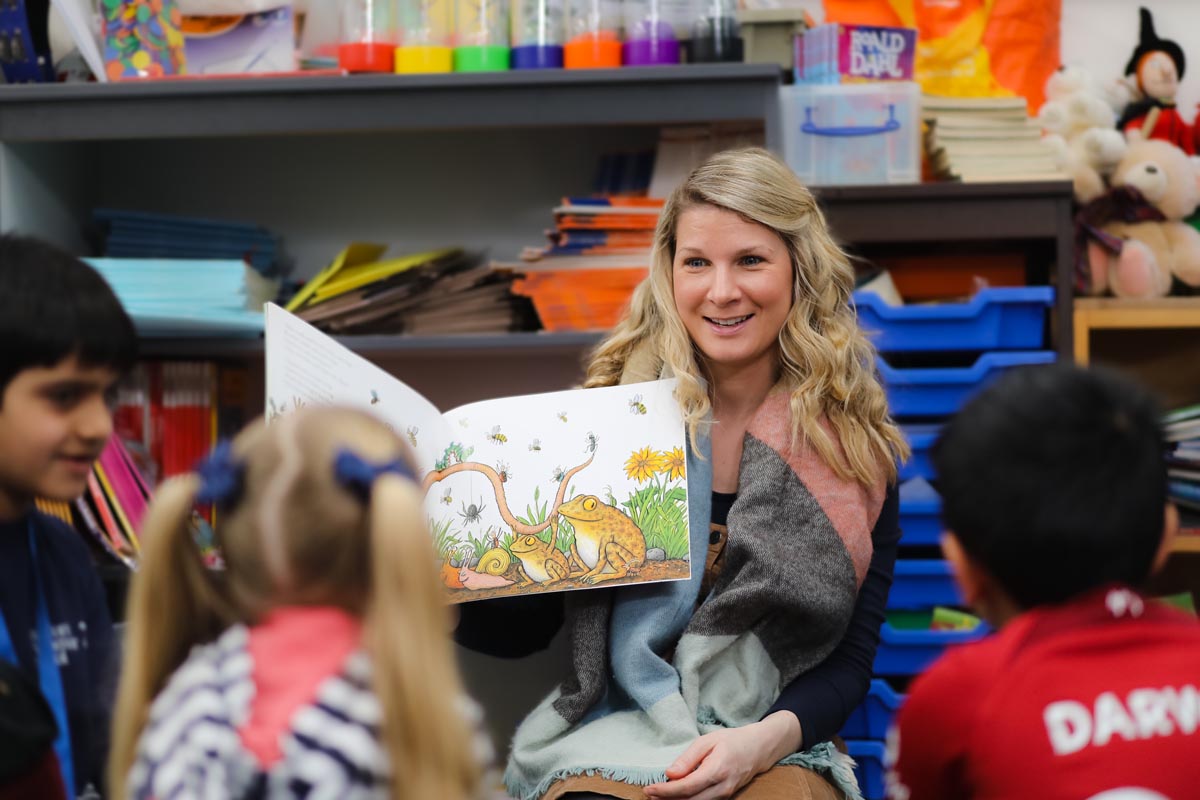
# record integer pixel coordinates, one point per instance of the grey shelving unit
(341, 104)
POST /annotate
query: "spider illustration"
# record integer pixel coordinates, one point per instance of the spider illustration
(472, 513)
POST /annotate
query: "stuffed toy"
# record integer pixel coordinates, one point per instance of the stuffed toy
(1138, 242)
(1078, 124)
(1157, 65)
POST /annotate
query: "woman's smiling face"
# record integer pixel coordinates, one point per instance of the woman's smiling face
(732, 285)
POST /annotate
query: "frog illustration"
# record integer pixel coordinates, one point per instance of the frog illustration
(604, 537)
(541, 562)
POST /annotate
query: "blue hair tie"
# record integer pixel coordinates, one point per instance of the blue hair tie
(221, 476)
(358, 475)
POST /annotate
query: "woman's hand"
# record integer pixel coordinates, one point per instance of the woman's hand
(719, 763)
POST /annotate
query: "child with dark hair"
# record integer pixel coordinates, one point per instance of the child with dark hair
(1055, 507)
(66, 342)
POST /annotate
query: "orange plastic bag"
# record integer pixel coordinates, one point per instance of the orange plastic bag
(971, 48)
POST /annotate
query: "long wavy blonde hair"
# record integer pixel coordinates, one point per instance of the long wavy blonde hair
(296, 536)
(825, 360)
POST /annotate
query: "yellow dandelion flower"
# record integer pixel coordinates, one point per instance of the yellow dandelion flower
(642, 464)
(674, 464)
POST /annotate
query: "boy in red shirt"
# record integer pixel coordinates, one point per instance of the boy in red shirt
(1055, 504)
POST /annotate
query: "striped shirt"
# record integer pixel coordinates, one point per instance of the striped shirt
(191, 746)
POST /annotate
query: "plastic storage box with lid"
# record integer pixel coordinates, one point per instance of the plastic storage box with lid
(867, 133)
(874, 715)
(941, 391)
(997, 318)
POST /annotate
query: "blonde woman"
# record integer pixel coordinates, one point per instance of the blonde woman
(316, 662)
(732, 683)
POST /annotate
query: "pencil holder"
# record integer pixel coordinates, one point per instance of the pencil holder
(593, 34)
(538, 28)
(426, 36)
(368, 39)
(481, 43)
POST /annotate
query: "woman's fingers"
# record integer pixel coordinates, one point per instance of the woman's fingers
(691, 758)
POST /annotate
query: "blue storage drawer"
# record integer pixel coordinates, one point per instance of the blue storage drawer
(869, 769)
(921, 583)
(872, 719)
(938, 391)
(920, 438)
(910, 652)
(1000, 318)
(920, 513)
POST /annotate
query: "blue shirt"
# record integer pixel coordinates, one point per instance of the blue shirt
(80, 627)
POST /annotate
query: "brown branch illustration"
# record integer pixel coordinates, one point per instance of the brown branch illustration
(501, 500)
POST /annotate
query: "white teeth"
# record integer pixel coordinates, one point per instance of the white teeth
(729, 323)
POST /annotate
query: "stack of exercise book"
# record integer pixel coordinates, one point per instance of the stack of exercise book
(139, 234)
(110, 512)
(598, 252)
(983, 139)
(1182, 428)
(170, 297)
(436, 292)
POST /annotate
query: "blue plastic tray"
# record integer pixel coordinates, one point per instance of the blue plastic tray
(1001, 318)
(869, 768)
(920, 438)
(873, 717)
(923, 583)
(938, 391)
(908, 652)
(920, 513)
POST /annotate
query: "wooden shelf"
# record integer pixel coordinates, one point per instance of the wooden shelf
(1188, 541)
(1097, 313)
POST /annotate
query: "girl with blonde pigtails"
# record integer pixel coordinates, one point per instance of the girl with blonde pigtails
(316, 662)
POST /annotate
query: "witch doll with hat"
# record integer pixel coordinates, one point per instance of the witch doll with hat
(1158, 65)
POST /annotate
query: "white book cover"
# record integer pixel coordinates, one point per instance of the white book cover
(544, 492)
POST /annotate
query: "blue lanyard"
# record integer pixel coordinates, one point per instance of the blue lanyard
(49, 678)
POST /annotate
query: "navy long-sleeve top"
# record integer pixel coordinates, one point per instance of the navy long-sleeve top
(81, 630)
(821, 698)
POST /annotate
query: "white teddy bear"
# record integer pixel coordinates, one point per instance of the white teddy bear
(1079, 121)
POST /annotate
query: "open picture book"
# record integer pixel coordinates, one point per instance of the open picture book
(536, 493)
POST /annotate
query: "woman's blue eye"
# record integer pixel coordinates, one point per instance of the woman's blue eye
(694, 262)
(752, 260)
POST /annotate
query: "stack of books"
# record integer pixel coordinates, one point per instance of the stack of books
(598, 252)
(1182, 428)
(139, 234)
(110, 512)
(186, 297)
(435, 292)
(985, 139)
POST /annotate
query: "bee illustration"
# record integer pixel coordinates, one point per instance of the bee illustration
(558, 474)
(591, 443)
(636, 406)
(496, 436)
(535, 445)
(412, 432)
(374, 397)
(502, 468)
(446, 498)
(562, 415)
(464, 422)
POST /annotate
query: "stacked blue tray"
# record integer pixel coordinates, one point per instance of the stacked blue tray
(960, 348)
